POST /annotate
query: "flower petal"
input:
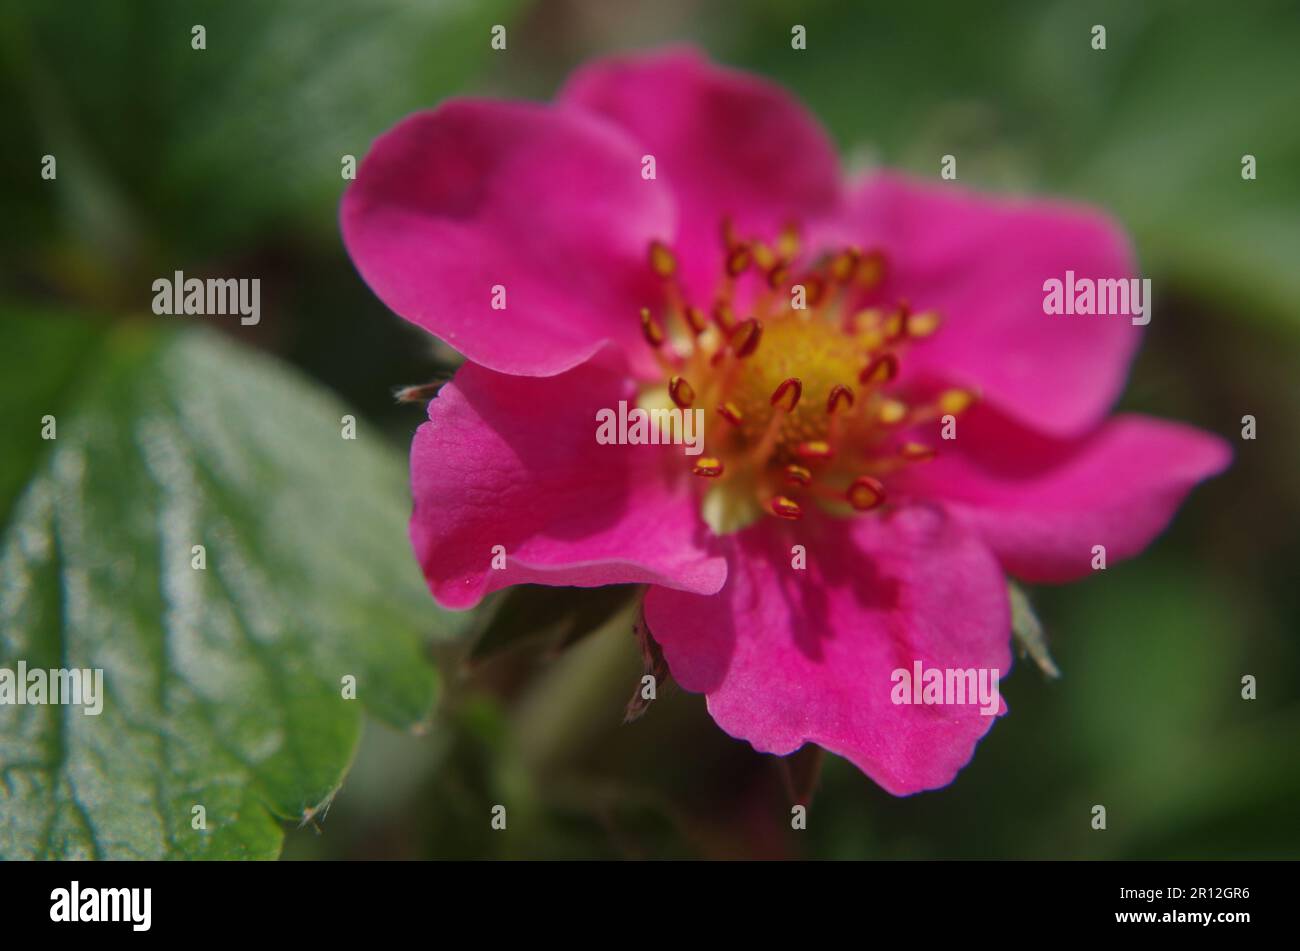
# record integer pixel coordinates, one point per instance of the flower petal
(727, 143)
(513, 461)
(545, 203)
(789, 656)
(982, 263)
(1043, 503)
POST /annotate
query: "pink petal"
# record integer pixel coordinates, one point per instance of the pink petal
(982, 262)
(788, 657)
(549, 204)
(513, 461)
(726, 142)
(1043, 503)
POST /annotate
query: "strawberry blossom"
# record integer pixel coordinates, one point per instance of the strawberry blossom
(893, 424)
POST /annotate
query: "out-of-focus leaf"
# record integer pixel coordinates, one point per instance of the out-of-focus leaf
(1152, 128)
(171, 154)
(554, 616)
(1167, 154)
(42, 364)
(222, 687)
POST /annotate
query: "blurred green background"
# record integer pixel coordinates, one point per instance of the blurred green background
(226, 161)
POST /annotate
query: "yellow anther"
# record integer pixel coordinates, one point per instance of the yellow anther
(892, 412)
(955, 401)
(922, 324)
(662, 261)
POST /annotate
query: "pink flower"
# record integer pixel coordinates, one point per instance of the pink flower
(906, 537)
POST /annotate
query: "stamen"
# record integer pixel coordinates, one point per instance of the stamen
(814, 450)
(784, 399)
(955, 401)
(763, 451)
(787, 243)
(865, 493)
(731, 414)
(654, 334)
(844, 264)
(892, 412)
(738, 260)
(868, 321)
(662, 260)
(814, 290)
(880, 370)
(786, 396)
(896, 322)
(922, 324)
(798, 475)
(778, 276)
(682, 393)
(841, 395)
(783, 507)
(723, 317)
(871, 271)
(744, 341)
(916, 452)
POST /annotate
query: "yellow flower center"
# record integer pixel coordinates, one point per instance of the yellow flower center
(797, 389)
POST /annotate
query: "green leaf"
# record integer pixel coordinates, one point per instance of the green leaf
(1145, 128)
(168, 155)
(222, 687)
(555, 616)
(1166, 155)
(40, 361)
